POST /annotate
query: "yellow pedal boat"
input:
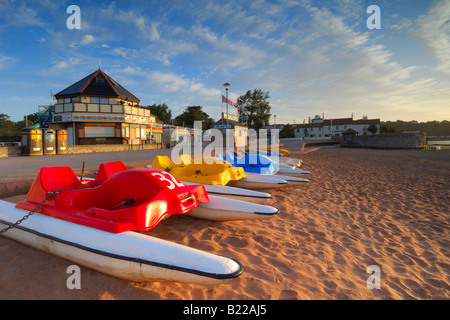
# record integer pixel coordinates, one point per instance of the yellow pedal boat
(281, 150)
(209, 171)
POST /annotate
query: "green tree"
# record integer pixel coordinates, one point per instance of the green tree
(5, 121)
(191, 114)
(372, 129)
(162, 111)
(432, 128)
(255, 104)
(6, 125)
(288, 131)
(386, 128)
(32, 118)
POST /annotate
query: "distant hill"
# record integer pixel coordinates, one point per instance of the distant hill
(432, 128)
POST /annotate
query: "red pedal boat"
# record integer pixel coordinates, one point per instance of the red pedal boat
(116, 201)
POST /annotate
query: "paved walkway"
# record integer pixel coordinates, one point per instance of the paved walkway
(18, 173)
(26, 167)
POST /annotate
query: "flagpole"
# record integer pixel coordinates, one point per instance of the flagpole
(226, 89)
(227, 85)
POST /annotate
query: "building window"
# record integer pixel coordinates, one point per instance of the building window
(99, 132)
(99, 100)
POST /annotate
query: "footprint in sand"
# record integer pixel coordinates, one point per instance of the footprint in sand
(237, 242)
(288, 295)
(279, 265)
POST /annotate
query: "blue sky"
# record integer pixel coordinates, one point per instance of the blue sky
(314, 57)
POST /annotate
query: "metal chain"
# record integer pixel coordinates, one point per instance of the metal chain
(30, 213)
(49, 194)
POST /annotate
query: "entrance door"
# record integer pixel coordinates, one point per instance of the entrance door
(70, 135)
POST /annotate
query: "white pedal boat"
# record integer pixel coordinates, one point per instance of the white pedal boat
(290, 180)
(291, 171)
(257, 182)
(128, 255)
(224, 209)
(235, 193)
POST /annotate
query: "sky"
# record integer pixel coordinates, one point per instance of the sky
(313, 57)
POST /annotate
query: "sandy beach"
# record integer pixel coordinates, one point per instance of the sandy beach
(362, 207)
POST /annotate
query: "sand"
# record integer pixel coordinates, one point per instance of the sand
(383, 208)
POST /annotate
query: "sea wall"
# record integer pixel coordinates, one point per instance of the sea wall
(15, 151)
(416, 140)
(112, 147)
(9, 152)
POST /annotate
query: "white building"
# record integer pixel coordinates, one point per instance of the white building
(322, 128)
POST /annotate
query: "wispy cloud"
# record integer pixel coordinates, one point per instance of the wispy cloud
(7, 62)
(434, 32)
(87, 38)
(171, 82)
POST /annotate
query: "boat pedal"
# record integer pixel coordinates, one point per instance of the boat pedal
(200, 173)
(126, 202)
(190, 196)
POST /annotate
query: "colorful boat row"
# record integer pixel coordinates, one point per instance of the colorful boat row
(92, 222)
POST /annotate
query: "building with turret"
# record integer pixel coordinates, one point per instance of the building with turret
(98, 110)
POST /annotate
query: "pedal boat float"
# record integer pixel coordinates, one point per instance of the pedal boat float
(215, 208)
(285, 166)
(283, 162)
(281, 150)
(214, 171)
(260, 166)
(85, 225)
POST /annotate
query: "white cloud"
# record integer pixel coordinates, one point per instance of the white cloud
(61, 65)
(133, 71)
(7, 62)
(336, 70)
(171, 82)
(87, 38)
(147, 30)
(23, 15)
(204, 33)
(434, 33)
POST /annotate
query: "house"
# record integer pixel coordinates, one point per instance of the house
(240, 129)
(322, 128)
(97, 109)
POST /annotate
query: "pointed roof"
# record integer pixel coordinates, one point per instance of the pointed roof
(98, 83)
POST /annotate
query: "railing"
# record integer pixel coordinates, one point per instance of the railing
(101, 108)
(45, 114)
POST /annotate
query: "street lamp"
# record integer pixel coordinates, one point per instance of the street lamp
(226, 85)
